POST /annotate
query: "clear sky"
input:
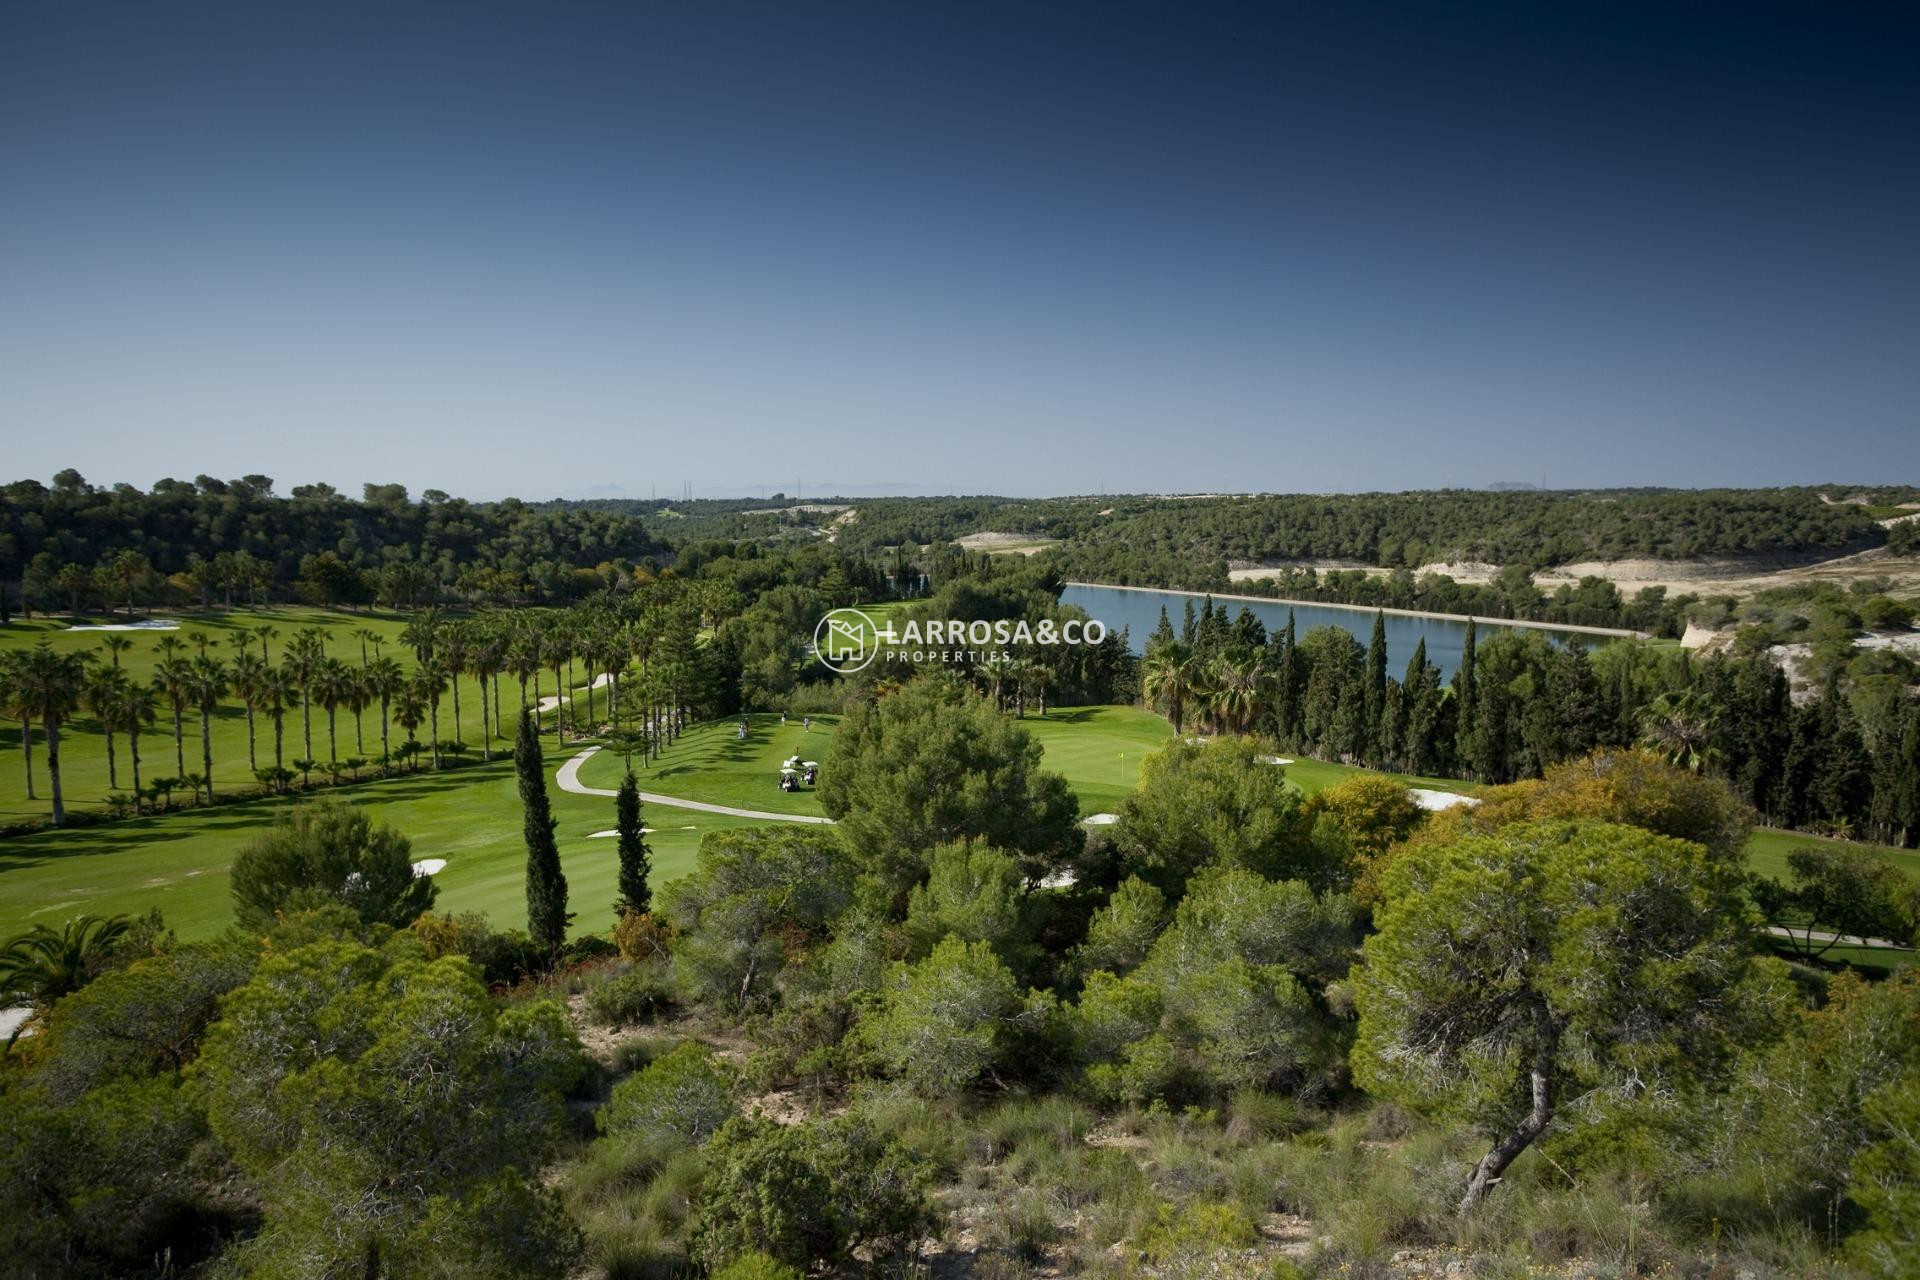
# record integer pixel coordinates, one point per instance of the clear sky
(544, 248)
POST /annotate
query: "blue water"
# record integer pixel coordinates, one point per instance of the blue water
(1138, 610)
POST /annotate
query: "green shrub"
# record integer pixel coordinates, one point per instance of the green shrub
(683, 1096)
(807, 1194)
(756, 1266)
(1183, 1240)
(502, 956)
(625, 997)
(1022, 1224)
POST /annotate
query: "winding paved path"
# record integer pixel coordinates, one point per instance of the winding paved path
(568, 777)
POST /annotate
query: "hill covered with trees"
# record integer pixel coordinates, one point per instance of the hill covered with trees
(73, 545)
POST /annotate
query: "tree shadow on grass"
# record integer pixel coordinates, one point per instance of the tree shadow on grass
(19, 852)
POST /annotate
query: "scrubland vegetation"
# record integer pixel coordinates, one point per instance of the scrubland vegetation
(1274, 1019)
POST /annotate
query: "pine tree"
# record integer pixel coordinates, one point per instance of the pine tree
(547, 914)
(636, 860)
(1466, 695)
(1188, 625)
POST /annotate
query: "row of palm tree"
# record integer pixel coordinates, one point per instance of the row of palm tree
(635, 659)
(1226, 692)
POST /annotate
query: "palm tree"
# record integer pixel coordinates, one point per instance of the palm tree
(333, 685)
(523, 660)
(132, 711)
(305, 654)
(483, 664)
(115, 646)
(356, 702)
(9, 682)
(266, 634)
(1683, 727)
(248, 672)
(429, 679)
(208, 684)
(367, 636)
(50, 685)
(456, 642)
(43, 964)
(1167, 679)
(409, 712)
(173, 678)
(105, 687)
(559, 646)
(199, 640)
(273, 692)
(1239, 687)
(384, 679)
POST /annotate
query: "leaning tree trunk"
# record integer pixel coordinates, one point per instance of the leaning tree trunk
(1532, 1125)
(113, 764)
(133, 752)
(26, 740)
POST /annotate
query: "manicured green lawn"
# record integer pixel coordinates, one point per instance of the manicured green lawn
(1099, 749)
(1767, 850)
(469, 816)
(710, 763)
(1317, 775)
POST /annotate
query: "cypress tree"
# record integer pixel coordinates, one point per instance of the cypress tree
(1907, 810)
(1162, 635)
(1248, 630)
(1188, 625)
(1466, 695)
(1842, 775)
(1376, 690)
(636, 861)
(1293, 679)
(547, 914)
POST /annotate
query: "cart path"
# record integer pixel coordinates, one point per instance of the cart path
(568, 777)
(550, 701)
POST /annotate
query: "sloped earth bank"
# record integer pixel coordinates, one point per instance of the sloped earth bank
(1735, 577)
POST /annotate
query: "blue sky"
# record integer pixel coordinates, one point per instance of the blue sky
(545, 249)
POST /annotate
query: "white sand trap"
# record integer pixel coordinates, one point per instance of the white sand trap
(430, 867)
(151, 624)
(1435, 801)
(602, 835)
(1273, 760)
(1100, 819)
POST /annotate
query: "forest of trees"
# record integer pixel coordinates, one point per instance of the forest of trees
(74, 546)
(1847, 762)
